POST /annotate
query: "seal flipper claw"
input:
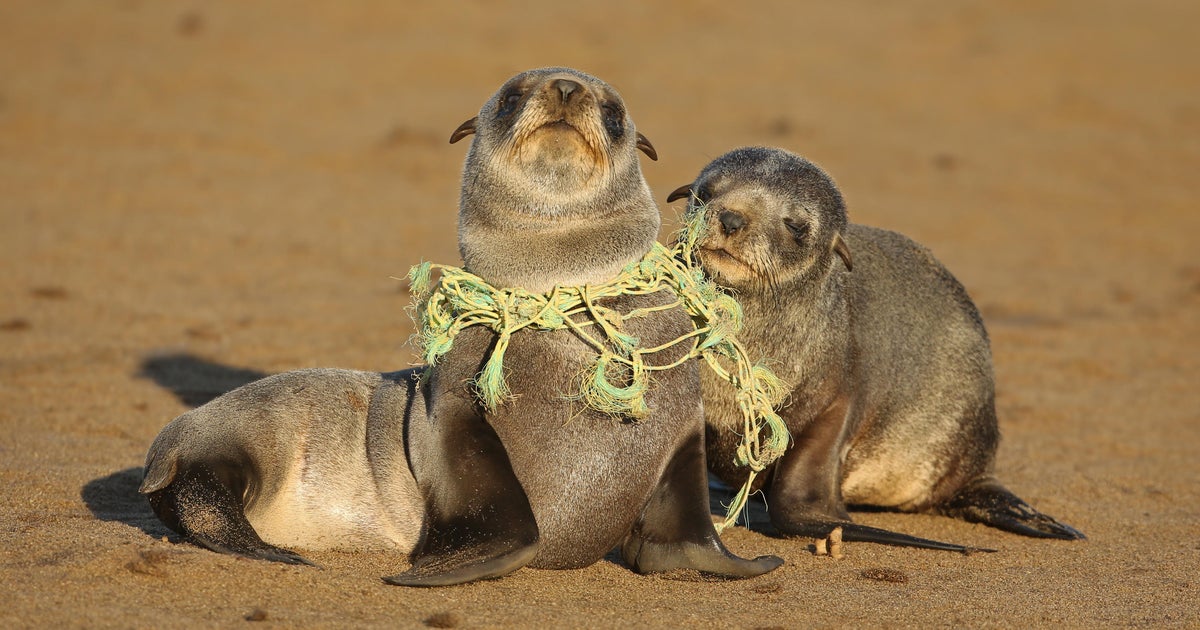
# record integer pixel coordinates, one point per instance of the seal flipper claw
(675, 530)
(479, 524)
(990, 503)
(202, 503)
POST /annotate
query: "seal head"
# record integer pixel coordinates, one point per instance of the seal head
(552, 189)
(772, 220)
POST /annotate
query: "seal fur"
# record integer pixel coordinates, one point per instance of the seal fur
(893, 402)
(326, 459)
(313, 459)
(553, 195)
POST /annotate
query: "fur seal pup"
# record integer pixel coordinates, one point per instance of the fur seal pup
(553, 195)
(313, 459)
(325, 458)
(893, 394)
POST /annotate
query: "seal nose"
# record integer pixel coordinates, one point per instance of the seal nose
(566, 87)
(731, 222)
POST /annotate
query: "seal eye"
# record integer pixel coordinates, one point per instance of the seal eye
(799, 230)
(614, 120)
(508, 103)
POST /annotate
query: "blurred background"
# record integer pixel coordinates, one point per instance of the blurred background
(223, 172)
(195, 194)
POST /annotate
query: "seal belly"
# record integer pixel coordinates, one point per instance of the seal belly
(347, 484)
(328, 504)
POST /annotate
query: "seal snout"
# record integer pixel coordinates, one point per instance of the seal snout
(731, 221)
(566, 87)
(566, 104)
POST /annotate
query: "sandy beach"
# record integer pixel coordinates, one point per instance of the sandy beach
(196, 195)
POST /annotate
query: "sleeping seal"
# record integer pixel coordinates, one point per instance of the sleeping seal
(893, 395)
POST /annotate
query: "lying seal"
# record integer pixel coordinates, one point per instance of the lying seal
(326, 459)
(314, 459)
(893, 395)
(553, 195)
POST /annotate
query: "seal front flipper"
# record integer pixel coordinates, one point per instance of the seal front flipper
(805, 497)
(854, 532)
(986, 501)
(202, 501)
(675, 530)
(479, 524)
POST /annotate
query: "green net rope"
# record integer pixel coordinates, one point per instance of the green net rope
(617, 381)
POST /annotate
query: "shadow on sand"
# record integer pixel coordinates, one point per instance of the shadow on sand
(195, 380)
(115, 498)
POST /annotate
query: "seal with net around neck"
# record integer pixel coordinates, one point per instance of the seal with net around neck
(553, 197)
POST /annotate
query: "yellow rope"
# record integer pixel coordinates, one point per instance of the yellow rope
(617, 381)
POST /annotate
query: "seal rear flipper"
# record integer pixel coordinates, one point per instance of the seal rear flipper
(255, 550)
(203, 504)
(676, 531)
(854, 532)
(988, 502)
(159, 472)
(479, 524)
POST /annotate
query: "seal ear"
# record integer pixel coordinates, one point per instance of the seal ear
(683, 192)
(463, 130)
(643, 143)
(839, 246)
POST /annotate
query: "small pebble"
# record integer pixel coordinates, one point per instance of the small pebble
(880, 574)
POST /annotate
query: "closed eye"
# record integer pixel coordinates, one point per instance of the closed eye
(509, 103)
(799, 229)
(614, 120)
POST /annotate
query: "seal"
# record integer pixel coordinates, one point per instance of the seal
(892, 400)
(553, 195)
(325, 459)
(314, 459)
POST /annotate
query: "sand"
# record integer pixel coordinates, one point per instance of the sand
(198, 194)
